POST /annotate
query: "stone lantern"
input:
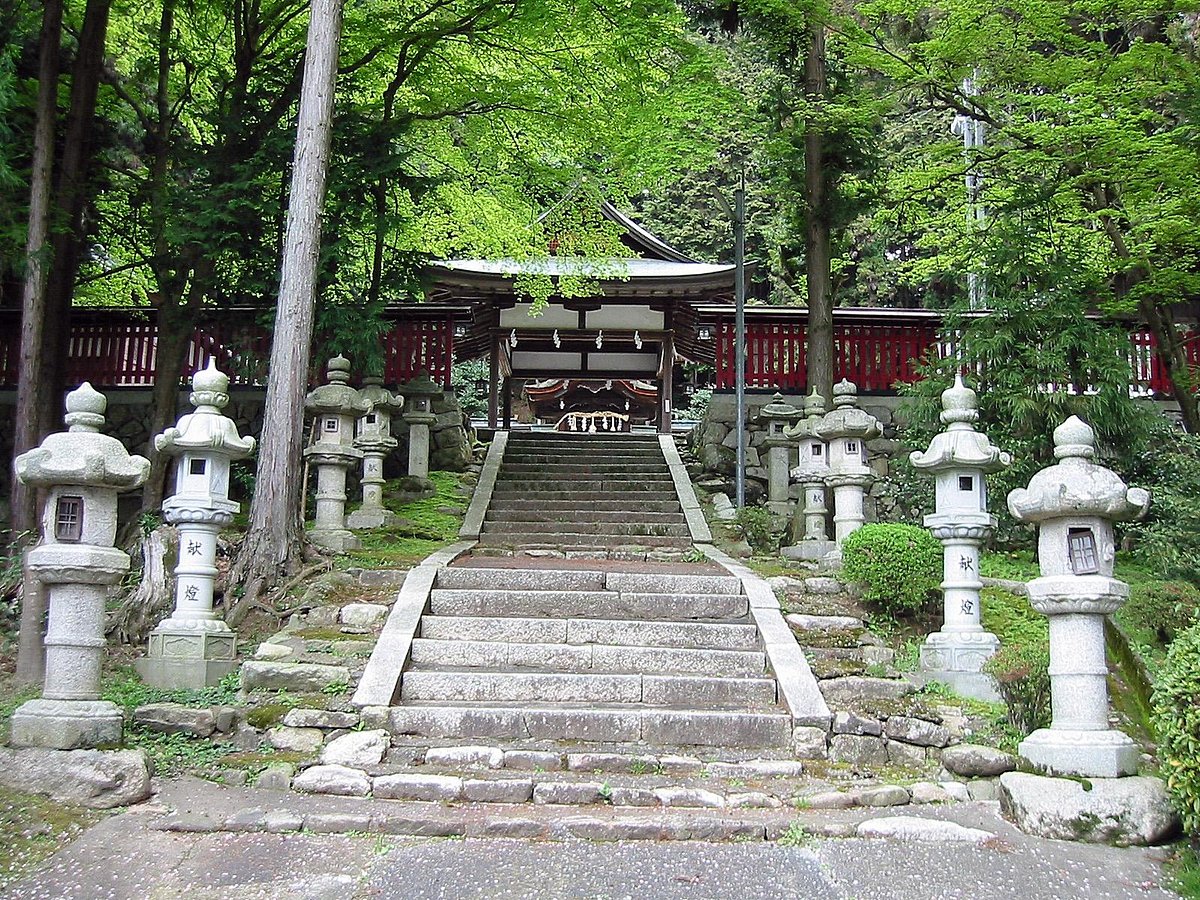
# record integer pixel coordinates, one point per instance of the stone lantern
(1074, 504)
(778, 414)
(846, 429)
(335, 407)
(810, 542)
(375, 441)
(194, 648)
(82, 472)
(418, 414)
(958, 458)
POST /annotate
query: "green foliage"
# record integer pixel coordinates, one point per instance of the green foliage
(424, 525)
(1168, 540)
(1176, 720)
(1011, 618)
(464, 377)
(1160, 610)
(1184, 873)
(697, 406)
(1012, 565)
(124, 687)
(762, 529)
(1022, 675)
(899, 566)
(173, 754)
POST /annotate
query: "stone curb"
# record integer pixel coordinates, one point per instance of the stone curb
(380, 681)
(797, 686)
(697, 524)
(481, 498)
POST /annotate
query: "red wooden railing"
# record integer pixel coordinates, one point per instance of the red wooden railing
(875, 357)
(113, 349)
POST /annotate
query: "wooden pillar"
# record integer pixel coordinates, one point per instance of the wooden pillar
(494, 384)
(508, 403)
(666, 385)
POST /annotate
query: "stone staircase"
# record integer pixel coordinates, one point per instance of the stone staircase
(587, 492)
(540, 654)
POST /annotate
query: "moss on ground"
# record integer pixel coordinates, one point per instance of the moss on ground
(33, 828)
(425, 526)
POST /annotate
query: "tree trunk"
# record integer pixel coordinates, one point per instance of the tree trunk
(1170, 352)
(275, 539)
(819, 359)
(32, 392)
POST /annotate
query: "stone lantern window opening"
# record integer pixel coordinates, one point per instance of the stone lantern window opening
(197, 466)
(68, 520)
(1082, 550)
(966, 483)
(851, 447)
(331, 424)
(816, 451)
(371, 418)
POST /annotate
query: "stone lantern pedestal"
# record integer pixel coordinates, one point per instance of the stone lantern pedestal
(809, 538)
(959, 458)
(193, 648)
(82, 472)
(376, 442)
(778, 414)
(419, 416)
(846, 429)
(334, 406)
(1074, 504)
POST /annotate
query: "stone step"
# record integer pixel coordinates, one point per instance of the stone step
(605, 506)
(610, 723)
(535, 495)
(580, 514)
(504, 579)
(552, 441)
(686, 691)
(615, 632)
(540, 540)
(585, 604)
(634, 457)
(563, 657)
(636, 527)
(611, 484)
(513, 469)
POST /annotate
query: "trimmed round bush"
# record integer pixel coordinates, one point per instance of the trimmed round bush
(899, 566)
(1176, 721)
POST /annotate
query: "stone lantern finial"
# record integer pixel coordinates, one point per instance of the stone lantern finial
(85, 409)
(1074, 439)
(210, 387)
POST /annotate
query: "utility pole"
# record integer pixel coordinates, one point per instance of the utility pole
(973, 135)
(737, 215)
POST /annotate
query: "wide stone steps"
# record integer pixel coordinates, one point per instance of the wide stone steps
(581, 514)
(487, 578)
(610, 484)
(635, 529)
(587, 657)
(605, 506)
(605, 455)
(686, 691)
(620, 632)
(583, 470)
(534, 496)
(591, 723)
(533, 540)
(595, 604)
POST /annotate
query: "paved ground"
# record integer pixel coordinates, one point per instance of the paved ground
(128, 856)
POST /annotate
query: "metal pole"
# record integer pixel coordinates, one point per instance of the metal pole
(739, 297)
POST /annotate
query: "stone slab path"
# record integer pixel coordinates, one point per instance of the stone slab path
(134, 855)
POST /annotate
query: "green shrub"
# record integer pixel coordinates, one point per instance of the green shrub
(1022, 673)
(1160, 610)
(1168, 539)
(762, 529)
(1177, 724)
(899, 566)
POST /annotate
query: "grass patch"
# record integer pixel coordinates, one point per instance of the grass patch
(33, 828)
(173, 754)
(13, 696)
(1011, 618)
(424, 527)
(124, 687)
(1183, 873)
(1015, 565)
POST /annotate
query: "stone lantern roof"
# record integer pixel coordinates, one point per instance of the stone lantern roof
(206, 429)
(1076, 486)
(379, 398)
(846, 419)
(81, 455)
(337, 397)
(813, 411)
(779, 408)
(960, 445)
(423, 385)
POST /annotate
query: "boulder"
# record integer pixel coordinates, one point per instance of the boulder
(858, 750)
(357, 749)
(303, 717)
(98, 779)
(296, 740)
(846, 722)
(916, 731)
(928, 792)
(1121, 811)
(340, 780)
(175, 718)
(912, 828)
(802, 622)
(363, 615)
(841, 691)
(977, 761)
(267, 675)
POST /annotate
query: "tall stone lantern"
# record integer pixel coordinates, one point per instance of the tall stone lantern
(375, 441)
(846, 429)
(1074, 503)
(418, 414)
(193, 647)
(82, 472)
(958, 458)
(809, 538)
(778, 414)
(335, 406)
